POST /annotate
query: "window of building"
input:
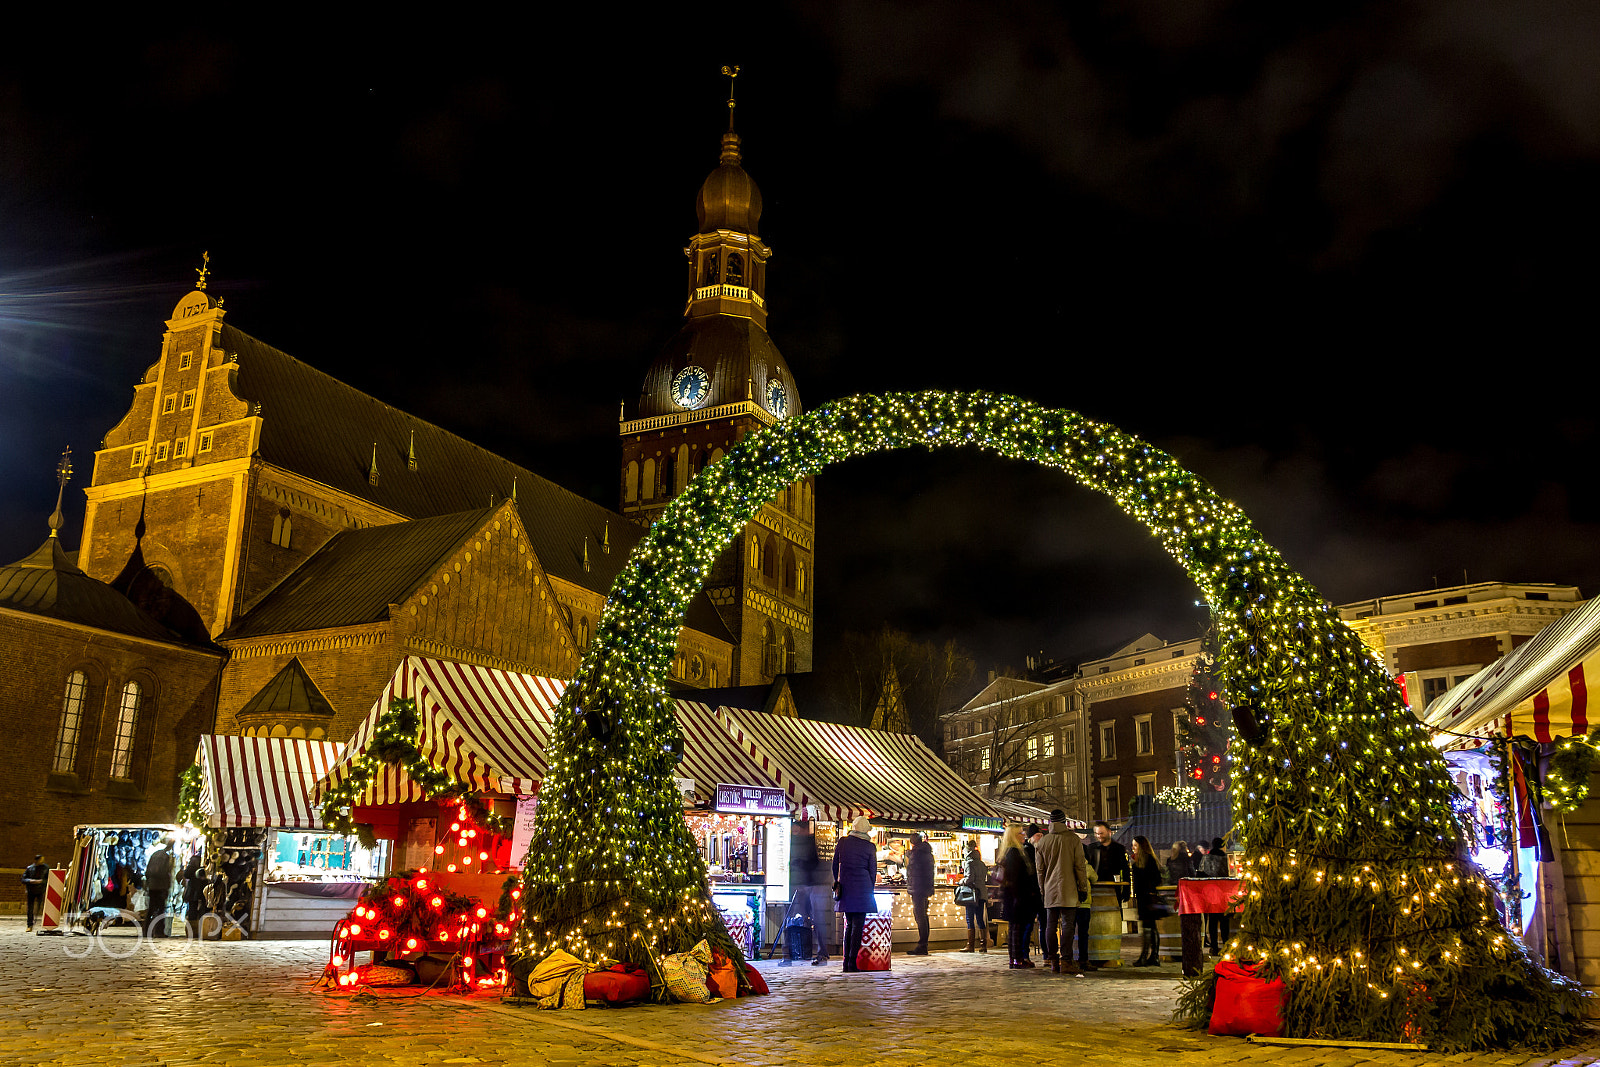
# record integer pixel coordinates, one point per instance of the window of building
(127, 724)
(1434, 688)
(185, 360)
(647, 481)
(161, 452)
(282, 528)
(1449, 600)
(714, 673)
(735, 269)
(1139, 662)
(949, 731)
(138, 457)
(769, 560)
(180, 448)
(1144, 736)
(205, 442)
(1145, 785)
(1108, 740)
(1033, 748)
(583, 633)
(1534, 596)
(169, 404)
(790, 570)
(983, 758)
(630, 483)
(71, 723)
(1422, 605)
(1111, 798)
(1105, 670)
(1049, 746)
(1178, 654)
(1069, 741)
(188, 400)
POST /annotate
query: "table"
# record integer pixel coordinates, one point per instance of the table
(1197, 898)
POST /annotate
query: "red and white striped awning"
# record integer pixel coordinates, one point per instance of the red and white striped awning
(262, 781)
(846, 771)
(487, 728)
(711, 756)
(1540, 690)
(490, 729)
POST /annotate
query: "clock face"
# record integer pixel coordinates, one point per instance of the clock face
(777, 398)
(690, 387)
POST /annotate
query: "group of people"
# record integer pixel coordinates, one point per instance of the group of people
(1046, 875)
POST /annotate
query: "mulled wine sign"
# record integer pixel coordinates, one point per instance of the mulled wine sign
(751, 800)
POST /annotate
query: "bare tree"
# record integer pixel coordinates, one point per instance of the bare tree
(1015, 732)
(889, 680)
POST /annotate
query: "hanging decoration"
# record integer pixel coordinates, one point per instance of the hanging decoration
(1358, 892)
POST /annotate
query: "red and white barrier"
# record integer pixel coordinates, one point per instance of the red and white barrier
(55, 891)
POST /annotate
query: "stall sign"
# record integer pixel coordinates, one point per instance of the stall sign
(984, 824)
(751, 800)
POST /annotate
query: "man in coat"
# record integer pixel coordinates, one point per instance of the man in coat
(919, 881)
(33, 880)
(1064, 882)
(158, 881)
(812, 879)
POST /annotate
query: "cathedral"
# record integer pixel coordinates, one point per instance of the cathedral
(281, 540)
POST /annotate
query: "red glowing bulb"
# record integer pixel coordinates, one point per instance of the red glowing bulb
(411, 943)
(383, 935)
(466, 859)
(437, 902)
(451, 868)
(482, 912)
(455, 826)
(438, 850)
(399, 902)
(422, 883)
(355, 928)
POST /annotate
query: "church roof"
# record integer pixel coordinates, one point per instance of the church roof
(320, 428)
(354, 578)
(290, 695)
(46, 583)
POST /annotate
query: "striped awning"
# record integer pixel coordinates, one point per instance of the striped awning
(711, 756)
(262, 781)
(1015, 811)
(490, 729)
(487, 728)
(1540, 690)
(846, 771)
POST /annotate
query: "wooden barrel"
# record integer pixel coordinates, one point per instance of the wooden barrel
(1105, 924)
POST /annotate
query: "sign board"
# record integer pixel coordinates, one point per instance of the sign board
(522, 829)
(751, 800)
(685, 788)
(986, 825)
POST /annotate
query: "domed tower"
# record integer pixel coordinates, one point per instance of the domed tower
(720, 378)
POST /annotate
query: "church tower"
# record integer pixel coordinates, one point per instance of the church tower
(717, 380)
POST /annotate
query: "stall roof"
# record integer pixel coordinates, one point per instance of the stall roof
(1211, 818)
(262, 781)
(492, 728)
(1018, 812)
(1540, 690)
(846, 771)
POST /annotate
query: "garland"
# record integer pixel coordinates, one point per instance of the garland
(394, 742)
(1567, 777)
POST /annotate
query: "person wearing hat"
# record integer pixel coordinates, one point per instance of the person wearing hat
(855, 872)
(1064, 882)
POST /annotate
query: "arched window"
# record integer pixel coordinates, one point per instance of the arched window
(127, 729)
(790, 570)
(649, 480)
(71, 723)
(669, 473)
(755, 553)
(788, 650)
(769, 560)
(709, 277)
(680, 470)
(630, 483)
(800, 580)
(769, 650)
(583, 632)
(735, 269)
(716, 454)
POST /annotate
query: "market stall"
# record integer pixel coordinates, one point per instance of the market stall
(834, 773)
(106, 878)
(305, 877)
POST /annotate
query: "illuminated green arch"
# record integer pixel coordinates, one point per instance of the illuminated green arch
(1341, 792)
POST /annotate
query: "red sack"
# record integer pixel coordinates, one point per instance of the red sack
(1246, 1004)
(722, 979)
(758, 984)
(621, 984)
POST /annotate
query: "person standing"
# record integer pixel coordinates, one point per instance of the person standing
(972, 893)
(1019, 894)
(1214, 864)
(1064, 882)
(919, 882)
(33, 880)
(855, 872)
(1146, 876)
(158, 886)
(1180, 862)
(1034, 834)
(813, 889)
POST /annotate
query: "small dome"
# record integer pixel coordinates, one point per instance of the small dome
(729, 198)
(46, 583)
(739, 360)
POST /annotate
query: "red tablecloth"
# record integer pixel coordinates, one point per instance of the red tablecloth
(1206, 896)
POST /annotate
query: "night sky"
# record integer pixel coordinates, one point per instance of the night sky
(1338, 258)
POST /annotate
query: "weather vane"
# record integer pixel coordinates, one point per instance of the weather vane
(203, 269)
(63, 473)
(730, 73)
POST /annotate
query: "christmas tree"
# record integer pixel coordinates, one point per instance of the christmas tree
(1205, 726)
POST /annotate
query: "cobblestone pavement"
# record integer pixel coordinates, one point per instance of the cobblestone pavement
(251, 1004)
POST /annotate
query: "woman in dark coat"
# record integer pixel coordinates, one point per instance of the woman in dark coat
(1146, 876)
(1020, 896)
(855, 871)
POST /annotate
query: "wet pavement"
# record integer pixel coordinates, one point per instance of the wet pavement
(117, 1000)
